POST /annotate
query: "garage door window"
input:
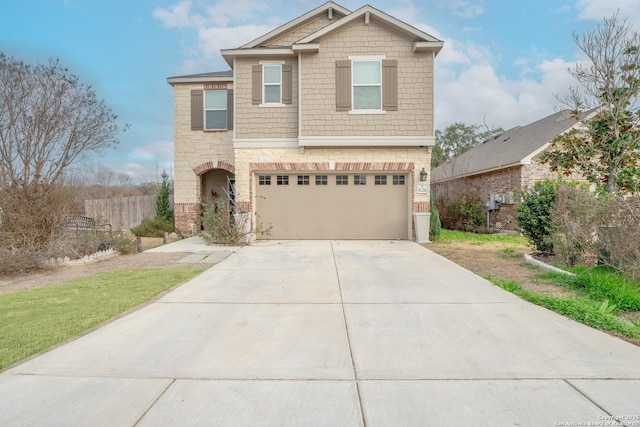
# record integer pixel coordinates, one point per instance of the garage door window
(381, 179)
(321, 179)
(303, 179)
(264, 180)
(398, 179)
(359, 180)
(342, 180)
(282, 180)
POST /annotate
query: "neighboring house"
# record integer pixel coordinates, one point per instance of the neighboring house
(502, 165)
(321, 129)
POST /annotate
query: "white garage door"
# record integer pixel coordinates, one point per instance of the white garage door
(319, 205)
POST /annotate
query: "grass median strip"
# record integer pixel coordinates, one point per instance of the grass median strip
(583, 310)
(37, 319)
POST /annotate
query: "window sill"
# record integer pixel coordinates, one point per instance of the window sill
(216, 130)
(367, 112)
(274, 105)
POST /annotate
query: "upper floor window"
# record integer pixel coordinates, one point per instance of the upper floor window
(272, 84)
(215, 106)
(367, 85)
(212, 109)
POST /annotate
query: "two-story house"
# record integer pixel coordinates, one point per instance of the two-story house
(323, 129)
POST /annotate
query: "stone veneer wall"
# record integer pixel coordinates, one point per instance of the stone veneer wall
(193, 151)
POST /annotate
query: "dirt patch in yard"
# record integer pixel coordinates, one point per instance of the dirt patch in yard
(499, 261)
(118, 262)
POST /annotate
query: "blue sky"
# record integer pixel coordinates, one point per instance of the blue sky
(502, 64)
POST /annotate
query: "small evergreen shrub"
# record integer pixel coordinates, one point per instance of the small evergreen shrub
(534, 214)
(436, 226)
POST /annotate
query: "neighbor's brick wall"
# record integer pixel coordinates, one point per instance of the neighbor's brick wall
(415, 85)
(254, 121)
(192, 149)
(483, 185)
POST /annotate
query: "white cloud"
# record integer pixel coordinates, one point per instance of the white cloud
(177, 16)
(161, 151)
(595, 10)
(466, 8)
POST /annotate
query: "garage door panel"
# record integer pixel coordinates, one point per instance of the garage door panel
(333, 211)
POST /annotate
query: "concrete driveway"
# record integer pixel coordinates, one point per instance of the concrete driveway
(331, 333)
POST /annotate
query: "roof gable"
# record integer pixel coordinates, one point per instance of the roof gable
(337, 10)
(422, 40)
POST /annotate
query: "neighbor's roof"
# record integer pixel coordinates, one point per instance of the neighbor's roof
(514, 147)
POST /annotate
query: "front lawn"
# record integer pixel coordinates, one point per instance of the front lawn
(34, 320)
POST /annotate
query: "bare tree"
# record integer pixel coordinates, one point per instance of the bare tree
(48, 120)
(606, 149)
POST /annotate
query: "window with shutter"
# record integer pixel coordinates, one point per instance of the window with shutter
(256, 83)
(196, 110)
(390, 85)
(215, 109)
(230, 109)
(367, 85)
(343, 85)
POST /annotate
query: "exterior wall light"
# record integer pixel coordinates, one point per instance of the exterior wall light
(423, 175)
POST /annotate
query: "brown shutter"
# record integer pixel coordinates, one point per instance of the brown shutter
(229, 109)
(197, 106)
(287, 84)
(343, 85)
(256, 91)
(390, 85)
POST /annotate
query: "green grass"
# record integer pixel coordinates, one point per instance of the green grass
(584, 310)
(474, 238)
(37, 319)
(600, 284)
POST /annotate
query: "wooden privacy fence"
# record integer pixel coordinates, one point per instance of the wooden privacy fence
(122, 212)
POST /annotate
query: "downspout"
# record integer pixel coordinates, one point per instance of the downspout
(299, 96)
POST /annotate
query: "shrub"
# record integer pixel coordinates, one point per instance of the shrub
(163, 206)
(435, 226)
(153, 227)
(534, 214)
(604, 227)
(219, 224)
(465, 213)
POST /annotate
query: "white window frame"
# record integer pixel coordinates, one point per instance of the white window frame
(278, 64)
(225, 109)
(353, 60)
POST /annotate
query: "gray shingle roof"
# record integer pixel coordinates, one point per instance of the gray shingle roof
(213, 76)
(508, 149)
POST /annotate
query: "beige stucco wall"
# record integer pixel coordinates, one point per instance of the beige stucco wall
(255, 121)
(415, 85)
(192, 148)
(303, 31)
